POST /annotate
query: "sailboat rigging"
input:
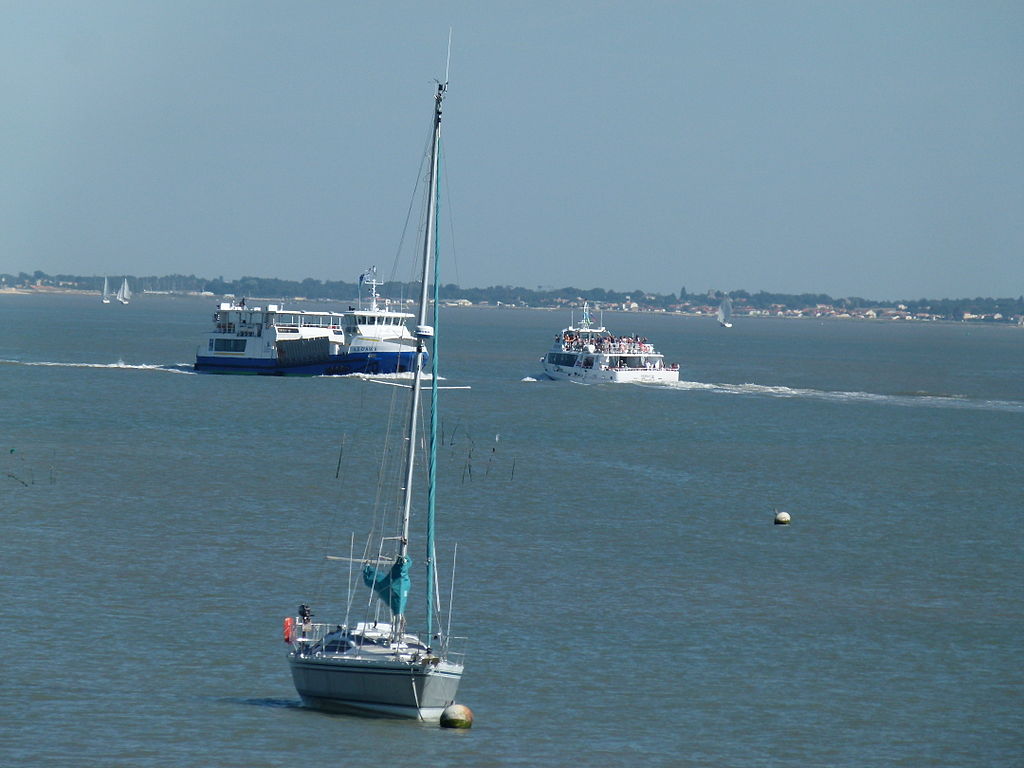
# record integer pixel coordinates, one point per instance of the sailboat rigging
(377, 666)
(124, 293)
(724, 313)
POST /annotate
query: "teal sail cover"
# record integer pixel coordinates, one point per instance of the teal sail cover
(392, 585)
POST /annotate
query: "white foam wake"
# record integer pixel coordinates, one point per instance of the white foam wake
(403, 376)
(120, 364)
(921, 399)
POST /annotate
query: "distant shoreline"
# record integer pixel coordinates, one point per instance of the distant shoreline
(707, 313)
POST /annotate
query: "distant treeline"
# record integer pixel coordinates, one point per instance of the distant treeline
(271, 288)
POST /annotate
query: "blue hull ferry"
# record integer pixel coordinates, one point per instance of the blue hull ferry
(279, 342)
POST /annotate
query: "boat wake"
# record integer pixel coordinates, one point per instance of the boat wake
(120, 364)
(403, 376)
(914, 399)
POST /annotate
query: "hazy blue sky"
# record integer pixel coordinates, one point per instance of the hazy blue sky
(852, 148)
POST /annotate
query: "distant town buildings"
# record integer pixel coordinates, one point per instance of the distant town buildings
(744, 304)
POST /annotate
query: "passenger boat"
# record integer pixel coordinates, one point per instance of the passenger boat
(380, 665)
(589, 354)
(275, 341)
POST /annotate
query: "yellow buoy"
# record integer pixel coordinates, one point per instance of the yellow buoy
(457, 716)
(781, 518)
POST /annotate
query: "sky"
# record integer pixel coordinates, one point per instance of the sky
(871, 149)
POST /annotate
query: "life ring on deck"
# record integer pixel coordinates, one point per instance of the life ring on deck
(289, 629)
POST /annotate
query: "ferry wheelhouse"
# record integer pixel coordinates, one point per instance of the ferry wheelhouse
(275, 341)
(590, 354)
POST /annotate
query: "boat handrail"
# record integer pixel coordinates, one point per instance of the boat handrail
(615, 347)
(312, 633)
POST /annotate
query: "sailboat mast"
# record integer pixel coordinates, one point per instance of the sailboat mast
(423, 331)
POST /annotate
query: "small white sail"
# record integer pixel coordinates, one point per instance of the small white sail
(124, 293)
(724, 313)
(106, 291)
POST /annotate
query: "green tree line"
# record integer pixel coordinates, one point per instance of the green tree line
(310, 288)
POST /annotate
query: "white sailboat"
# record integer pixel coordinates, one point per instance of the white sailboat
(124, 293)
(724, 313)
(106, 291)
(380, 665)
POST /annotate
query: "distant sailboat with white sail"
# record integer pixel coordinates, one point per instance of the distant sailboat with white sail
(724, 313)
(106, 291)
(124, 293)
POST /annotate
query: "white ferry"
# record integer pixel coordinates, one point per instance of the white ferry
(590, 354)
(278, 342)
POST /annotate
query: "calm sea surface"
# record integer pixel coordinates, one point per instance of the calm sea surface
(627, 598)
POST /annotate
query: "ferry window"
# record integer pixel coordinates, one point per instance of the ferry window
(559, 358)
(229, 345)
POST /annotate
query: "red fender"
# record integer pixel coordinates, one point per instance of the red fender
(289, 629)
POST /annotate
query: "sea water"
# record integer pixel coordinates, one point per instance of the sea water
(627, 599)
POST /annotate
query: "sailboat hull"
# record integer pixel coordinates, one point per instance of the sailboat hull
(385, 687)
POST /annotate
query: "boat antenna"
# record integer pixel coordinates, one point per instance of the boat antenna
(448, 60)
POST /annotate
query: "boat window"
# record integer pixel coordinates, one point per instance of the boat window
(562, 358)
(337, 645)
(229, 345)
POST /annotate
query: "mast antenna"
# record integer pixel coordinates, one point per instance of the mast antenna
(448, 60)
